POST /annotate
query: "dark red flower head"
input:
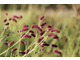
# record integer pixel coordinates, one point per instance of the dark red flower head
(42, 33)
(52, 34)
(24, 29)
(22, 52)
(48, 26)
(53, 30)
(53, 45)
(24, 26)
(10, 19)
(15, 16)
(44, 23)
(14, 49)
(27, 51)
(7, 23)
(41, 17)
(38, 28)
(40, 39)
(5, 43)
(56, 51)
(5, 20)
(44, 44)
(21, 42)
(20, 17)
(25, 42)
(10, 43)
(31, 31)
(27, 36)
(22, 35)
(14, 20)
(32, 34)
(6, 13)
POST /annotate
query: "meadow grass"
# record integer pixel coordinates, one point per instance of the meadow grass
(69, 36)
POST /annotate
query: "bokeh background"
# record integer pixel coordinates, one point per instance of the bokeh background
(64, 17)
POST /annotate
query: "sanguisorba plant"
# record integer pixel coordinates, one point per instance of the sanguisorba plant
(39, 34)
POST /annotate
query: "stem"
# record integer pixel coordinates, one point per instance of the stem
(6, 53)
(11, 54)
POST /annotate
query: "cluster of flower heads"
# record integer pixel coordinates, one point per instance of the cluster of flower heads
(13, 18)
(39, 31)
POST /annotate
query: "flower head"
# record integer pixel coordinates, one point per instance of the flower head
(14, 49)
(27, 51)
(38, 28)
(41, 17)
(56, 51)
(42, 24)
(10, 43)
(7, 23)
(24, 26)
(24, 29)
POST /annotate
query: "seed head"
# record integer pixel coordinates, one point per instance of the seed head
(22, 35)
(53, 30)
(24, 29)
(38, 28)
(14, 16)
(31, 31)
(44, 44)
(21, 42)
(6, 13)
(7, 23)
(22, 52)
(42, 33)
(41, 17)
(56, 51)
(53, 45)
(32, 34)
(51, 34)
(14, 20)
(24, 26)
(10, 19)
(10, 43)
(20, 17)
(14, 49)
(27, 36)
(35, 52)
(5, 43)
(25, 42)
(27, 51)
(40, 39)
(48, 26)
(44, 23)
(5, 20)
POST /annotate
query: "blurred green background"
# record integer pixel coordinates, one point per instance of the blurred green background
(64, 17)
